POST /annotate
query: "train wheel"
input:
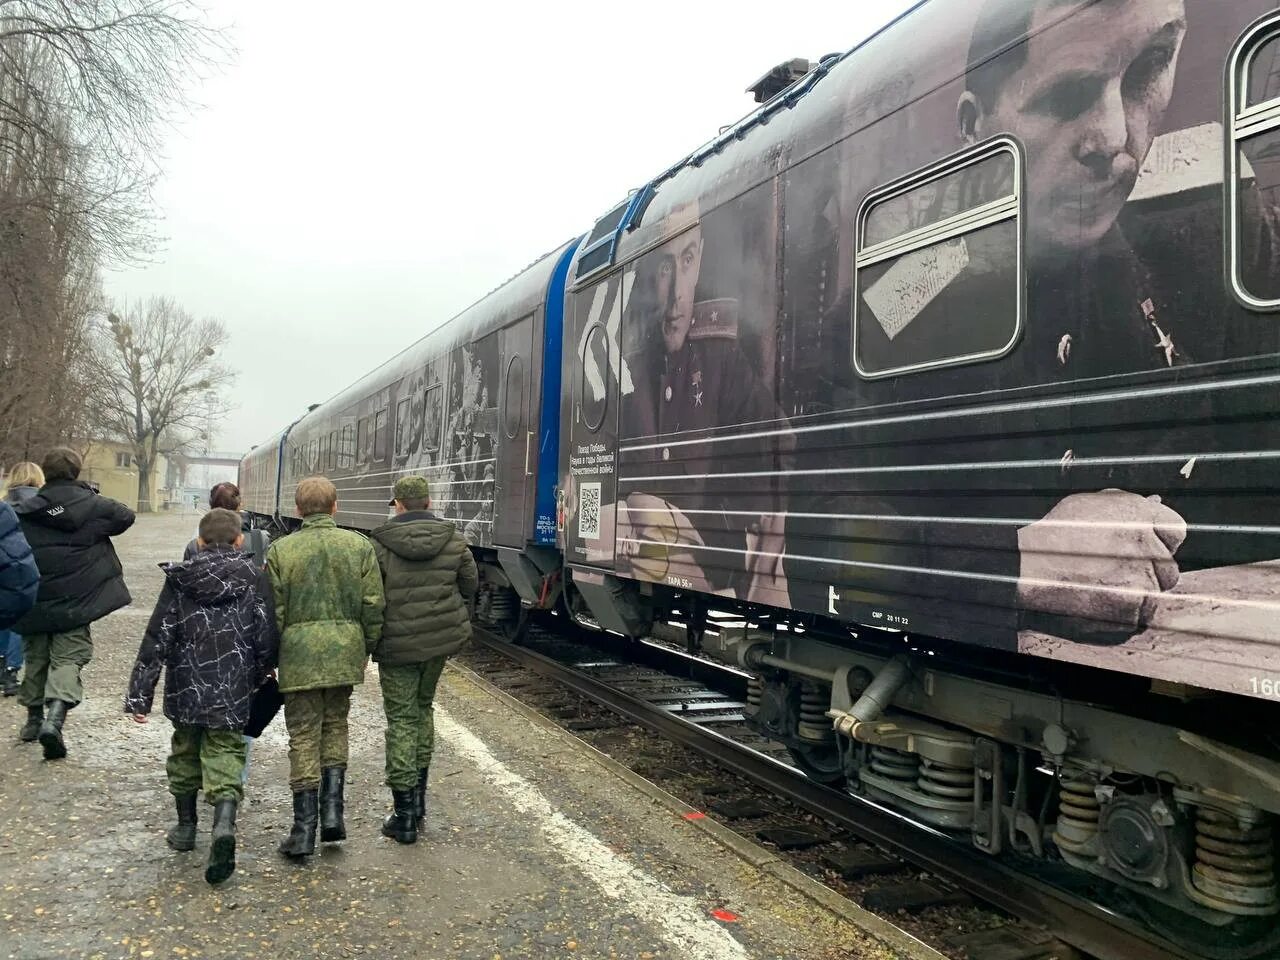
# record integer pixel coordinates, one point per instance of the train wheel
(821, 764)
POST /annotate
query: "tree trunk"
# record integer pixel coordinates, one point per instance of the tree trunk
(146, 467)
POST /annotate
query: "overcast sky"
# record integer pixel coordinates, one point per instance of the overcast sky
(360, 173)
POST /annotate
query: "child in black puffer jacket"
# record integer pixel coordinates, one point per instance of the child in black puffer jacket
(213, 630)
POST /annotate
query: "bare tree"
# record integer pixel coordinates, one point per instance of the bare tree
(87, 91)
(151, 376)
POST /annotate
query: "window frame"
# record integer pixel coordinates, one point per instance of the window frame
(403, 419)
(969, 221)
(333, 450)
(380, 425)
(362, 446)
(1244, 123)
(126, 457)
(347, 445)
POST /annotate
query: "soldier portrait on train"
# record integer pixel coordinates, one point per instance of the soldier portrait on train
(472, 432)
(683, 517)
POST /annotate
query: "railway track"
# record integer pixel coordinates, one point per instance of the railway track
(873, 854)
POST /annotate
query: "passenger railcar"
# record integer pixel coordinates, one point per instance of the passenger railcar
(952, 374)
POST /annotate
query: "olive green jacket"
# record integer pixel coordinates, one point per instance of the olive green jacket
(328, 603)
(429, 575)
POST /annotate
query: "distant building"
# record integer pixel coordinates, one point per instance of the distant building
(110, 466)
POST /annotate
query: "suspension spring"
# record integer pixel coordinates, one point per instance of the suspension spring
(945, 781)
(814, 725)
(895, 765)
(1235, 866)
(755, 684)
(1078, 814)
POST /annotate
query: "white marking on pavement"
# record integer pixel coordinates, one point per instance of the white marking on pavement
(681, 920)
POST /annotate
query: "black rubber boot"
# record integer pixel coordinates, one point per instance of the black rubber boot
(420, 798)
(301, 841)
(402, 825)
(332, 828)
(222, 849)
(182, 835)
(9, 681)
(55, 712)
(31, 729)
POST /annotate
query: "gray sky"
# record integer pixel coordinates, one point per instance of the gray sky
(358, 175)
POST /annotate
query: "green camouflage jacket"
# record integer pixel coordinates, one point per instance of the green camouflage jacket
(328, 602)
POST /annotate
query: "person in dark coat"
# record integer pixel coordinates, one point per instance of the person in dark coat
(24, 481)
(226, 496)
(19, 577)
(429, 575)
(69, 528)
(213, 630)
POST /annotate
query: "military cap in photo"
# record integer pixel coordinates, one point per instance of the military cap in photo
(410, 488)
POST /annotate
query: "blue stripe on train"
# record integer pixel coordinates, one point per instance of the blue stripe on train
(544, 526)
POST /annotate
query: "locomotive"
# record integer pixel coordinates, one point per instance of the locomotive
(951, 372)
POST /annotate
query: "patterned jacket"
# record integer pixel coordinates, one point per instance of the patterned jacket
(429, 575)
(213, 630)
(328, 604)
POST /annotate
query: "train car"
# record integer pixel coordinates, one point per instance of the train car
(474, 407)
(953, 372)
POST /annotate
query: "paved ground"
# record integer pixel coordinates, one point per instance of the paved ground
(530, 849)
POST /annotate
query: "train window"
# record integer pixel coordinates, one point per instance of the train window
(347, 452)
(402, 428)
(513, 398)
(1253, 162)
(433, 418)
(380, 435)
(933, 280)
(593, 395)
(364, 441)
(333, 449)
(597, 252)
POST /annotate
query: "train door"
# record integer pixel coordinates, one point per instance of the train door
(514, 489)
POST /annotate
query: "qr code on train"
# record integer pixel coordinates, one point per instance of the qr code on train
(589, 511)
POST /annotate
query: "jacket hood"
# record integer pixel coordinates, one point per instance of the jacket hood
(62, 505)
(213, 576)
(415, 536)
(20, 493)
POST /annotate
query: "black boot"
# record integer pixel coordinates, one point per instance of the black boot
(31, 729)
(222, 849)
(402, 825)
(182, 835)
(51, 730)
(420, 798)
(332, 829)
(9, 681)
(301, 841)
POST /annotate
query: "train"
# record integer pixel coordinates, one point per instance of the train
(941, 395)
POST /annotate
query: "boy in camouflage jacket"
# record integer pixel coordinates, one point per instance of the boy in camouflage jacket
(328, 602)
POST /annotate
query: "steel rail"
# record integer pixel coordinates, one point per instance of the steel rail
(1086, 926)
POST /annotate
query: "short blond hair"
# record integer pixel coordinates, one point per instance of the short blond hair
(25, 474)
(315, 495)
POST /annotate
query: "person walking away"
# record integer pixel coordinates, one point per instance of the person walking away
(226, 496)
(213, 632)
(69, 528)
(19, 577)
(328, 608)
(429, 576)
(25, 480)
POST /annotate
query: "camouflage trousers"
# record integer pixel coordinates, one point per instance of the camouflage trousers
(317, 725)
(53, 665)
(407, 692)
(209, 760)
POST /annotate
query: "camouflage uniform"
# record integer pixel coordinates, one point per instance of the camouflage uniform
(328, 603)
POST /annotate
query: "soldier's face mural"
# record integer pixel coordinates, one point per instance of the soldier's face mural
(680, 261)
(1086, 102)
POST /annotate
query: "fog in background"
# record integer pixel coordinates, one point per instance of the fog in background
(358, 175)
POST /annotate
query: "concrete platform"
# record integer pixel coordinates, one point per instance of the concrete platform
(532, 848)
